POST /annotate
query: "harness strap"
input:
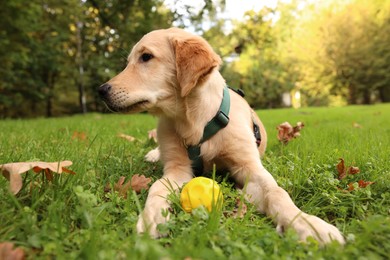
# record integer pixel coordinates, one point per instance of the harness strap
(219, 121)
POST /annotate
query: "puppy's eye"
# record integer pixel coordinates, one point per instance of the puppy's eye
(146, 57)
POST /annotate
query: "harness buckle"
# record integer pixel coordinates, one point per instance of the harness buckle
(256, 132)
(222, 119)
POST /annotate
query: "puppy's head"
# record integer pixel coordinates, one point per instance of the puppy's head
(163, 67)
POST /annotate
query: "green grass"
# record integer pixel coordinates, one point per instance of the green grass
(73, 218)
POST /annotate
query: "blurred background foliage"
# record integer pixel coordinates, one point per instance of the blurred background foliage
(55, 53)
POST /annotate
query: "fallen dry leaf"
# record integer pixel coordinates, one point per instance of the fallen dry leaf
(119, 187)
(363, 184)
(79, 136)
(350, 186)
(127, 137)
(286, 132)
(343, 171)
(152, 134)
(351, 170)
(356, 125)
(240, 209)
(7, 252)
(122, 189)
(13, 171)
(137, 183)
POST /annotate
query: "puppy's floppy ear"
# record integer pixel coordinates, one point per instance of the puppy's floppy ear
(195, 60)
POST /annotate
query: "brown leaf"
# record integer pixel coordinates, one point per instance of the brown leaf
(353, 170)
(127, 137)
(119, 187)
(13, 171)
(363, 184)
(286, 132)
(139, 182)
(350, 186)
(107, 188)
(82, 136)
(356, 125)
(298, 128)
(8, 253)
(341, 169)
(240, 209)
(122, 189)
(152, 134)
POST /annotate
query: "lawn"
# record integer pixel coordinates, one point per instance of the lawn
(73, 217)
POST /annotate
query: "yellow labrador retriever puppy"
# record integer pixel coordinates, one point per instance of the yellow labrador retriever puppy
(174, 75)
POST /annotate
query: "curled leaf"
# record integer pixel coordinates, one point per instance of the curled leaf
(286, 132)
(82, 136)
(360, 184)
(127, 137)
(152, 134)
(363, 184)
(353, 170)
(137, 183)
(13, 171)
(240, 209)
(351, 187)
(341, 169)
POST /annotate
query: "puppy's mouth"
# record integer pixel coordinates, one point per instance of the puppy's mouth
(138, 106)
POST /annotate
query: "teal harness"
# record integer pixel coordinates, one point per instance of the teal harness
(219, 121)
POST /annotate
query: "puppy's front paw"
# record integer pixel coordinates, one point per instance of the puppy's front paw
(151, 217)
(311, 226)
(153, 155)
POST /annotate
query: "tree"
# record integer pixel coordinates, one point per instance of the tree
(342, 50)
(258, 68)
(54, 51)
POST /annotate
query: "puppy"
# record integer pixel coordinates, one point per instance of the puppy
(174, 75)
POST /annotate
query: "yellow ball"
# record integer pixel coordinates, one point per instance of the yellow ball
(201, 191)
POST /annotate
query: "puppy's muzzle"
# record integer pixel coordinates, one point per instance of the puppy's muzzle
(104, 91)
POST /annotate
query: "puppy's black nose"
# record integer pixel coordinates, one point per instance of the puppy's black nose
(104, 89)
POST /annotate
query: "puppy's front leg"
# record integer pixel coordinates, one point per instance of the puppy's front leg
(269, 198)
(157, 202)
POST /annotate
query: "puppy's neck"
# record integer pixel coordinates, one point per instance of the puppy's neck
(200, 106)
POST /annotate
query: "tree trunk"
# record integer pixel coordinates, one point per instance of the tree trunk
(352, 98)
(49, 107)
(49, 79)
(79, 59)
(384, 93)
(366, 97)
